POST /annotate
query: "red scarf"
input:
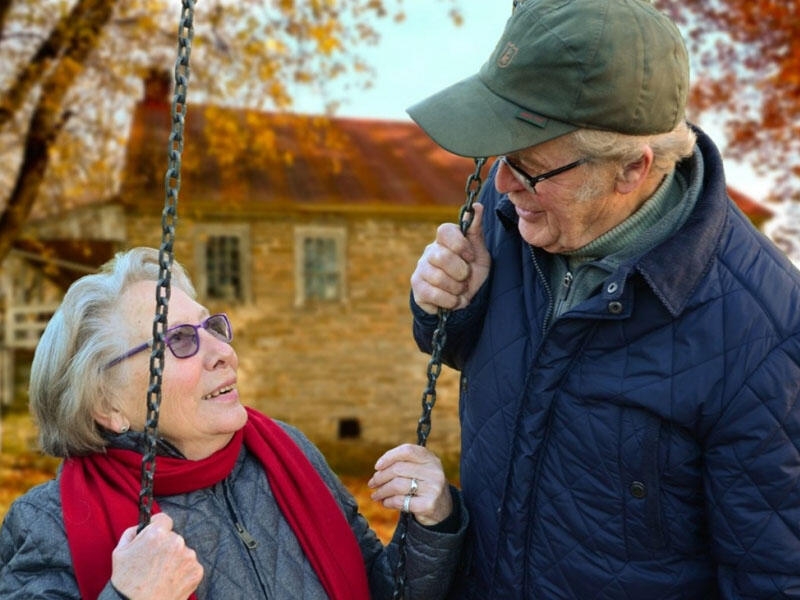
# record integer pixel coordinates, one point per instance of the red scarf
(99, 498)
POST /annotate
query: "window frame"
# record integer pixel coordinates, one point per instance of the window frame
(339, 236)
(236, 230)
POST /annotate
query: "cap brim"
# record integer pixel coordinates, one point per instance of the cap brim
(469, 119)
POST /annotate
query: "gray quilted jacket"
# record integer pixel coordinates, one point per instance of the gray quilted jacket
(246, 547)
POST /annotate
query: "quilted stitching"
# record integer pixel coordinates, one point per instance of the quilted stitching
(35, 561)
(695, 400)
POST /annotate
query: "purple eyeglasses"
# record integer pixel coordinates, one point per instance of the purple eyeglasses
(184, 340)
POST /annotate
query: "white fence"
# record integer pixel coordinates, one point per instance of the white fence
(25, 324)
(23, 328)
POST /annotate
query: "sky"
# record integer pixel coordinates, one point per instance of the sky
(427, 52)
(421, 55)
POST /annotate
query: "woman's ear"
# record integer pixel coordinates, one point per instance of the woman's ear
(111, 419)
(636, 173)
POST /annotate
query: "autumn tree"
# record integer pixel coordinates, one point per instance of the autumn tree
(746, 61)
(70, 69)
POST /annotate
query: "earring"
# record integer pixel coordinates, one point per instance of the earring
(123, 429)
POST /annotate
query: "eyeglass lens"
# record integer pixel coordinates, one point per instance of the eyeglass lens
(184, 340)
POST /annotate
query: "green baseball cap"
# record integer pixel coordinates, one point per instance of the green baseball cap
(613, 65)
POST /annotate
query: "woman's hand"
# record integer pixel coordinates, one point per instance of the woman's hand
(156, 563)
(428, 499)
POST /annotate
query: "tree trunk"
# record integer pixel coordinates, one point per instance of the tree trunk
(48, 117)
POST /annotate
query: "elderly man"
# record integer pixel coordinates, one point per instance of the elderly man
(629, 345)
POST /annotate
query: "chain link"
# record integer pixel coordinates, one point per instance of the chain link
(465, 218)
(163, 291)
(169, 218)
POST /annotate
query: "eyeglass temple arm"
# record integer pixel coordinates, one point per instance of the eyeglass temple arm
(129, 353)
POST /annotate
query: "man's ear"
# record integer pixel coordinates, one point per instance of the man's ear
(635, 174)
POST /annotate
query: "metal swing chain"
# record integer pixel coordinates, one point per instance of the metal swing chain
(465, 218)
(169, 217)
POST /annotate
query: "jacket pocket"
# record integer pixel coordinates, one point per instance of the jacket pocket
(640, 480)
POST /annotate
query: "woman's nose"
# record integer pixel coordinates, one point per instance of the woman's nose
(219, 351)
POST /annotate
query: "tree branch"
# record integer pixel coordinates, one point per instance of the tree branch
(5, 5)
(64, 34)
(49, 118)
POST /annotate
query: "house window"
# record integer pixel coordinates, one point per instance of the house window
(223, 263)
(349, 429)
(320, 264)
(223, 268)
(321, 277)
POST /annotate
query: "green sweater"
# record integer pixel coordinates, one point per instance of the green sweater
(576, 275)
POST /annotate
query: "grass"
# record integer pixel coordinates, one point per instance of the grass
(22, 466)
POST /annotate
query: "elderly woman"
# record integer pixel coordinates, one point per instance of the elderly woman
(244, 506)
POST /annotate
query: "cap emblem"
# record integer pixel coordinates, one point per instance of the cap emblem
(507, 56)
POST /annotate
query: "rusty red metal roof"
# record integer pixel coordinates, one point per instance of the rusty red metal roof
(249, 160)
(755, 211)
(243, 157)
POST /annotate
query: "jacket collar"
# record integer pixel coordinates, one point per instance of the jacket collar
(695, 244)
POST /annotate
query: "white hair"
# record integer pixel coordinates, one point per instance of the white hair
(68, 375)
(608, 150)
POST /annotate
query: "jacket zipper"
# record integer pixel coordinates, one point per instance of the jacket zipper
(546, 284)
(249, 541)
(241, 531)
(566, 284)
(245, 536)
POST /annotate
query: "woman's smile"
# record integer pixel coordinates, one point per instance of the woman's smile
(226, 392)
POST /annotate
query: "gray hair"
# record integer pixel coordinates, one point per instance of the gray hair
(607, 150)
(68, 376)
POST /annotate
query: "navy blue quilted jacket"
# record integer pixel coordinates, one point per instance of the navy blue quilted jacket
(645, 445)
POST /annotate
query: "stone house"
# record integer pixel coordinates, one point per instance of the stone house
(305, 230)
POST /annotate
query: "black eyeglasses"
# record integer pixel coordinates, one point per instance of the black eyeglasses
(184, 340)
(530, 181)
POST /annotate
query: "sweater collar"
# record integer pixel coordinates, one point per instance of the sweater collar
(661, 215)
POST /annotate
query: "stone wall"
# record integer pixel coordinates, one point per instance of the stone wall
(328, 366)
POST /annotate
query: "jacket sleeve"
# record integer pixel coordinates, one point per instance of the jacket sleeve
(753, 482)
(35, 561)
(431, 559)
(462, 328)
(34, 555)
